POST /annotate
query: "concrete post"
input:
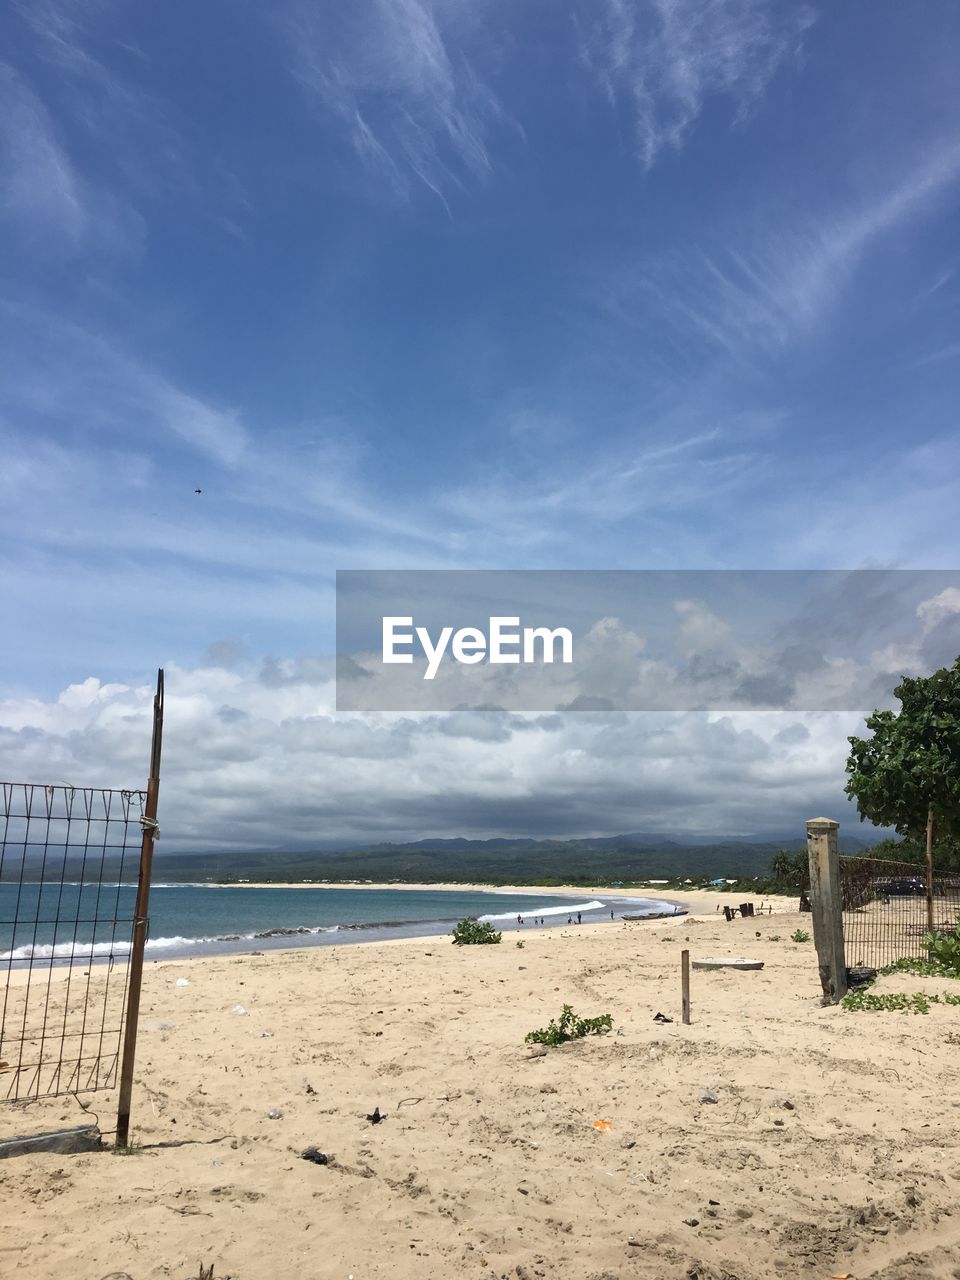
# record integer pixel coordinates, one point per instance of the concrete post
(825, 900)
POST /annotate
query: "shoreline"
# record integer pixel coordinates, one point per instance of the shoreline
(698, 906)
(704, 902)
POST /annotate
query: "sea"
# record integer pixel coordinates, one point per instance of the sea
(66, 922)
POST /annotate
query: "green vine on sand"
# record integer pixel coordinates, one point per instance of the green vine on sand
(570, 1026)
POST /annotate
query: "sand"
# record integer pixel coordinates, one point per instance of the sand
(832, 1147)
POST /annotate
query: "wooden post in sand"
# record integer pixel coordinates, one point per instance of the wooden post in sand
(139, 940)
(685, 986)
(827, 906)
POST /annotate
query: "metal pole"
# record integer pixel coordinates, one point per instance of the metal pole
(685, 986)
(140, 921)
(930, 832)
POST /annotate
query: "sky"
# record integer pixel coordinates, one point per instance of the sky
(428, 284)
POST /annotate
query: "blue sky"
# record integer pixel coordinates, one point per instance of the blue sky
(428, 284)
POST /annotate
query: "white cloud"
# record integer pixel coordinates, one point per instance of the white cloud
(396, 75)
(772, 285)
(43, 197)
(402, 77)
(253, 764)
(945, 604)
(667, 58)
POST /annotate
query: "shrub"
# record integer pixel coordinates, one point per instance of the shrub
(569, 1026)
(945, 949)
(471, 933)
(799, 935)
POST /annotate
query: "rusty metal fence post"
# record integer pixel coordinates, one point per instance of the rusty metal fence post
(929, 861)
(139, 940)
(826, 901)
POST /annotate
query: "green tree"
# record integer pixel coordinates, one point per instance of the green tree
(946, 851)
(787, 869)
(909, 771)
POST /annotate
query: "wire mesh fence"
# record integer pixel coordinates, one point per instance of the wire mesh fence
(885, 910)
(69, 859)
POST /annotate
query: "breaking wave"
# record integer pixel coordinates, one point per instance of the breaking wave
(570, 910)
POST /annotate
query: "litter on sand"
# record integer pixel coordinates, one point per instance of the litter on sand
(661, 1017)
(239, 1009)
(722, 962)
(315, 1156)
(603, 1126)
(183, 982)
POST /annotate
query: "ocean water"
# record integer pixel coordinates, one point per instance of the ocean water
(59, 922)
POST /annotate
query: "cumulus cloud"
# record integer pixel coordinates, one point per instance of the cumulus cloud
(254, 764)
(797, 641)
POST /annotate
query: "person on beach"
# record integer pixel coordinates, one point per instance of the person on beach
(519, 921)
(569, 919)
(579, 918)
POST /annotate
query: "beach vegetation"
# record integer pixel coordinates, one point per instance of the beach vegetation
(899, 1001)
(920, 968)
(944, 949)
(890, 1001)
(799, 935)
(915, 1002)
(472, 933)
(570, 1026)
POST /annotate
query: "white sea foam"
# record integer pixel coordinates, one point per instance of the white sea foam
(548, 911)
(86, 950)
(79, 950)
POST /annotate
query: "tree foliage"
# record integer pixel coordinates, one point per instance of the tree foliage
(787, 869)
(946, 851)
(911, 764)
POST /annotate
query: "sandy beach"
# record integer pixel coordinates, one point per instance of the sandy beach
(831, 1148)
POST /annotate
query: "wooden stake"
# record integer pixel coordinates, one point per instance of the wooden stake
(685, 985)
(139, 939)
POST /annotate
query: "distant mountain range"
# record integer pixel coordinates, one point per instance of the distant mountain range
(635, 855)
(632, 856)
